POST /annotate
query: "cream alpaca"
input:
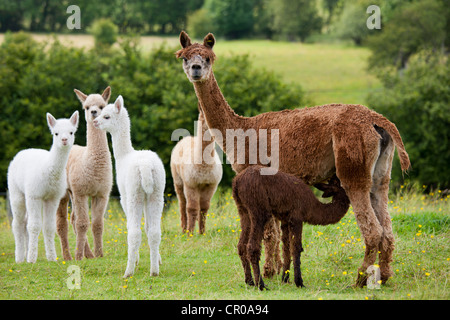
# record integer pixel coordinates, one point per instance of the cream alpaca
(141, 179)
(37, 181)
(196, 171)
(89, 174)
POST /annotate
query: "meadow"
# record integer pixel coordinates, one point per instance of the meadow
(207, 266)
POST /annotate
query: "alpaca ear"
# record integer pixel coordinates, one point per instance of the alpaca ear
(74, 119)
(106, 94)
(81, 96)
(185, 41)
(209, 41)
(118, 104)
(51, 121)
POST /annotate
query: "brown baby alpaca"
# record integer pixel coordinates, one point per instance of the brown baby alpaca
(351, 141)
(288, 199)
(89, 174)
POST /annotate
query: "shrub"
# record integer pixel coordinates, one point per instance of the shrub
(37, 79)
(418, 102)
(104, 32)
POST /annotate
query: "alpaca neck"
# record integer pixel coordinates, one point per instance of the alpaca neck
(97, 142)
(121, 139)
(330, 213)
(58, 158)
(218, 114)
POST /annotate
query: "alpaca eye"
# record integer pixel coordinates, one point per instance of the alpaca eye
(185, 60)
(56, 134)
(207, 60)
(101, 108)
(106, 117)
(71, 133)
(87, 108)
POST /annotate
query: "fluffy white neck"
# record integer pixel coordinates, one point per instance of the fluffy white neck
(58, 157)
(121, 137)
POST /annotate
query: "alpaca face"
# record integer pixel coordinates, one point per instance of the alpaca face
(197, 58)
(108, 119)
(93, 104)
(63, 130)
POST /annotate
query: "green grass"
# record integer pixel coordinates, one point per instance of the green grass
(208, 266)
(328, 72)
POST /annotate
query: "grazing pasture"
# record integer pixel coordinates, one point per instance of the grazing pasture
(208, 266)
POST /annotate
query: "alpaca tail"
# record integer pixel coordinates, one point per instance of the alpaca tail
(395, 135)
(147, 181)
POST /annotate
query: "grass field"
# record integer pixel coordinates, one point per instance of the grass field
(328, 72)
(208, 266)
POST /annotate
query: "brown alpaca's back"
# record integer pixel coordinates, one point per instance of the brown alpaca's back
(286, 196)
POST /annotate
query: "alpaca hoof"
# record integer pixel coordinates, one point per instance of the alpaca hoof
(250, 282)
(67, 258)
(263, 287)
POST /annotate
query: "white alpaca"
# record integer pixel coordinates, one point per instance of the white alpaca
(37, 181)
(141, 179)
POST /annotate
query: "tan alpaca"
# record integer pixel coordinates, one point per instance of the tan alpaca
(196, 171)
(314, 143)
(89, 175)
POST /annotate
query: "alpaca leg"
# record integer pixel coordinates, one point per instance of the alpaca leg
(49, 228)
(99, 205)
(62, 227)
(153, 211)
(296, 250)
(81, 226)
(182, 202)
(355, 164)
(258, 222)
(271, 238)
(19, 225)
(205, 200)
(134, 209)
(192, 207)
(286, 239)
(34, 226)
(243, 242)
(379, 199)
(370, 229)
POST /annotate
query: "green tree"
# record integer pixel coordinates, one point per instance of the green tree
(200, 23)
(418, 102)
(233, 18)
(295, 18)
(105, 32)
(351, 23)
(411, 28)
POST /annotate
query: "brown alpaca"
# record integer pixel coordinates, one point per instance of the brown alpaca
(285, 197)
(89, 174)
(196, 171)
(351, 141)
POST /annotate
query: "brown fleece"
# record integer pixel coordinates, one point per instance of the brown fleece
(259, 198)
(351, 141)
(89, 174)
